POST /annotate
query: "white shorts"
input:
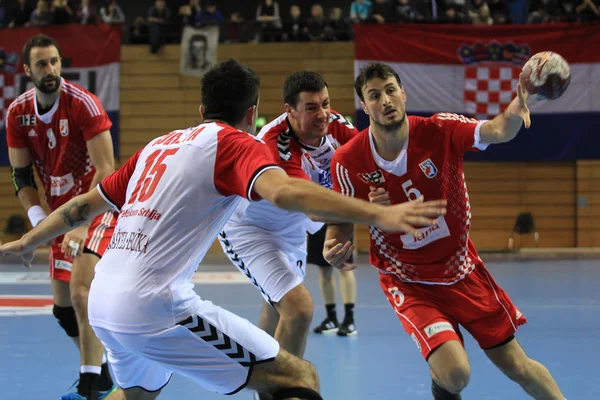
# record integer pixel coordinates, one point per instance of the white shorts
(272, 265)
(214, 347)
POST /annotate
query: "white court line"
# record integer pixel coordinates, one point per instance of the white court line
(199, 278)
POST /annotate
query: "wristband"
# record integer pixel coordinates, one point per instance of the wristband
(36, 214)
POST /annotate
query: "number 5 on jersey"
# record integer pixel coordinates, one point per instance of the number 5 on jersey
(411, 193)
(151, 175)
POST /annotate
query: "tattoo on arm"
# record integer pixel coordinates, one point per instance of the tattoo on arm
(76, 213)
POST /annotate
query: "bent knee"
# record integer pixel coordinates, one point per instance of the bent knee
(456, 378)
(79, 296)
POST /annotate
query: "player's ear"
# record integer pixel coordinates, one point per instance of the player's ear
(251, 115)
(201, 111)
(403, 93)
(288, 108)
(27, 70)
(364, 107)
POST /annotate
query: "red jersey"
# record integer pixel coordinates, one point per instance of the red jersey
(430, 164)
(57, 139)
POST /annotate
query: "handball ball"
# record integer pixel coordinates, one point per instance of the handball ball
(546, 75)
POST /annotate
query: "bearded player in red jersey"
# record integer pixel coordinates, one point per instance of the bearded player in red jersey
(63, 130)
(437, 282)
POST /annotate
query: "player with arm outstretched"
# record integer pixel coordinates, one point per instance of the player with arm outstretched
(438, 282)
(174, 197)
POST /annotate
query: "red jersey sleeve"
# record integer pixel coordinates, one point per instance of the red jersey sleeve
(241, 158)
(113, 188)
(463, 131)
(341, 128)
(14, 137)
(92, 119)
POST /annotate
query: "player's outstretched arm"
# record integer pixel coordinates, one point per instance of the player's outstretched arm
(79, 210)
(505, 126)
(301, 195)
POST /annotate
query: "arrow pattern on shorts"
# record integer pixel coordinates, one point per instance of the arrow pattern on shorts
(219, 340)
(235, 258)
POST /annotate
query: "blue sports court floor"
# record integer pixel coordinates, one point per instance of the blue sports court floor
(560, 295)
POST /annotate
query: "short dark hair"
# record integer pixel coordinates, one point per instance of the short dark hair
(301, 81)
(228, 90)
(37, 41)
(373, 70)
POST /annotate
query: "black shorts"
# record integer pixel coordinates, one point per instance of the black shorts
(314, 248)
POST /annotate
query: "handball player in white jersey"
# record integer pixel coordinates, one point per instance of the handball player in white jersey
(269, 244)
(174, 197)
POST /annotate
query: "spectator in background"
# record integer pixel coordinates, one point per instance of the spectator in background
(41, 15)
(316, 23)
(498, 11)
(4, 17)
(62, 13)
(21, 14)
(189, 12)
(479, 13)
(295, 29)
(382, 11)
(337, 28)
(517, 11)
(158, 19)
(86, 13)
(405, 12)
(452, 16)
(111, 13)
(139, 32)
(269, 20)
(459, 6)
(360, 10)
(238, 29)
(209, 16)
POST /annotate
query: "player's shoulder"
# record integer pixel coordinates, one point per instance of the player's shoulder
(337, 119)
(77, 96)
(355, 147)
(275, 128)
(23, 102)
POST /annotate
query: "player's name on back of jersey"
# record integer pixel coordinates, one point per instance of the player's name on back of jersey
(132, 241)
(152, 215)
(177, 137)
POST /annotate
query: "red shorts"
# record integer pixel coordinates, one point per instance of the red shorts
(431, 314)
(99, 235)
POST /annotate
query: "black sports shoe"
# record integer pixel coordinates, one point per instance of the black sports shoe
(347, 329)
(327, 326)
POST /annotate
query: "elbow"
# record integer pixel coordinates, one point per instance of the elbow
(287, 196)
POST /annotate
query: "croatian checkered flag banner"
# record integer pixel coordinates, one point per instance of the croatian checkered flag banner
(474, 70)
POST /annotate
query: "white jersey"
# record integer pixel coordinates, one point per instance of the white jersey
(174, 196)
(299, 161)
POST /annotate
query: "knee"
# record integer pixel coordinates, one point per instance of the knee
(456, 379)
(309, 378)
(79, 296)
(298, 312)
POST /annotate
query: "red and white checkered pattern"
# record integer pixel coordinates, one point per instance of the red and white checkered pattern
(489, 89)
(7, 94)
